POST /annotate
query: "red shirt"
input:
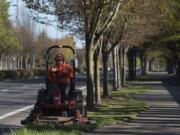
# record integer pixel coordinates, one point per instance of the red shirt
(60, 73)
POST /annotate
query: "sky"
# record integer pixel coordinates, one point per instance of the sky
(23, 13)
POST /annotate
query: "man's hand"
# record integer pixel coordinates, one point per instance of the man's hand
(54, 69)
(65, 72)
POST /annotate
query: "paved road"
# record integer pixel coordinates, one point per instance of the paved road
(163, 115)
(17, 99)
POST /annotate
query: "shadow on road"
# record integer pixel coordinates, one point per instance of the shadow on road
(162, 117)
(170, 82)
(5, 129)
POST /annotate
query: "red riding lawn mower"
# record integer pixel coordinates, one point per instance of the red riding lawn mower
(53, 110)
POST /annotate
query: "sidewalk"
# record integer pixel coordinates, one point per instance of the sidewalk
(163, 115)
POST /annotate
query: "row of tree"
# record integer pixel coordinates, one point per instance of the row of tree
(20, 46)
(8, 39)
(108, 26)
(166, 43)
(116, 27)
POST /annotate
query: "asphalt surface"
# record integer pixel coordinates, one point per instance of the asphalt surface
(17, 98)
(163, 115)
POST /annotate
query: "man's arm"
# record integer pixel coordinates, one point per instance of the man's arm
(68, 74)
(51, 74)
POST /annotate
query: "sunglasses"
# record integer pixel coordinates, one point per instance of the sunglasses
(60, 60)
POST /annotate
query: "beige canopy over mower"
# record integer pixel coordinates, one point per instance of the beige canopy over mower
(51, 109)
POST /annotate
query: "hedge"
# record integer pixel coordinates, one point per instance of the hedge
(2, 75)
(21, 74)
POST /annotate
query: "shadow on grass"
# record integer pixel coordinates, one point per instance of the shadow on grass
(66, 129)
(120, 107)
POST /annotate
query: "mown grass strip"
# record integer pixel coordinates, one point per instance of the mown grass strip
(121, 106)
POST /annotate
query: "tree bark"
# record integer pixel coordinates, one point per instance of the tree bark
(8, 63)
(24, 62)
(120, 66)
(33, 62)
(178, 67)
(118, 69)
(146, 66)
(18, 63)
(21, 62)
(130, 56)
(105, 72)
(27, 62)
(123, 66)
(90, 76)
(114, 69)
(135, 65)
(124, 59)
(97, 79)
(1, 63)
(150, 65)
(14, 63)
(142, 64)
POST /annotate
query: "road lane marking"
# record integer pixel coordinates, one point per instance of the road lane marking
(24, 108)
(25, 86)
(4, 90)
(81, 88)
(15, 112)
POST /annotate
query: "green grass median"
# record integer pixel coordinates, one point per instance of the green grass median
(121, 106)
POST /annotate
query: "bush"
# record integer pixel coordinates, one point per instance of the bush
(21, 74)
(35, 71)
(27, 74)
(21, 71)
(39, 72)
(12, 74)
(2, 75)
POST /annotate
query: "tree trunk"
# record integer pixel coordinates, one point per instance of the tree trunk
(21, 63)
(174, 68)
(90, 76)
(27, 62)
(105, 72)
(32, 62)
(130, 56)
(114, 69)
(123, 66)
(178, 67)
(120, 67)
(142, 64)
(146, 66)
(24, 62)
(8, 63)
(135, 65)
(18, 62)
(150, 65)
(1, 63)
(14, 63)
(97, 79)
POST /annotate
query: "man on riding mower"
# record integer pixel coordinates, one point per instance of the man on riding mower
(61, 74)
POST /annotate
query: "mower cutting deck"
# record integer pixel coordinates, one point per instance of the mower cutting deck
(50, 108)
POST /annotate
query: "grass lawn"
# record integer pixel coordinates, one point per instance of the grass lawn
(121, 106)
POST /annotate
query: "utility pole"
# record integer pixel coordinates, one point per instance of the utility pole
(17, 15)
(20, 58)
